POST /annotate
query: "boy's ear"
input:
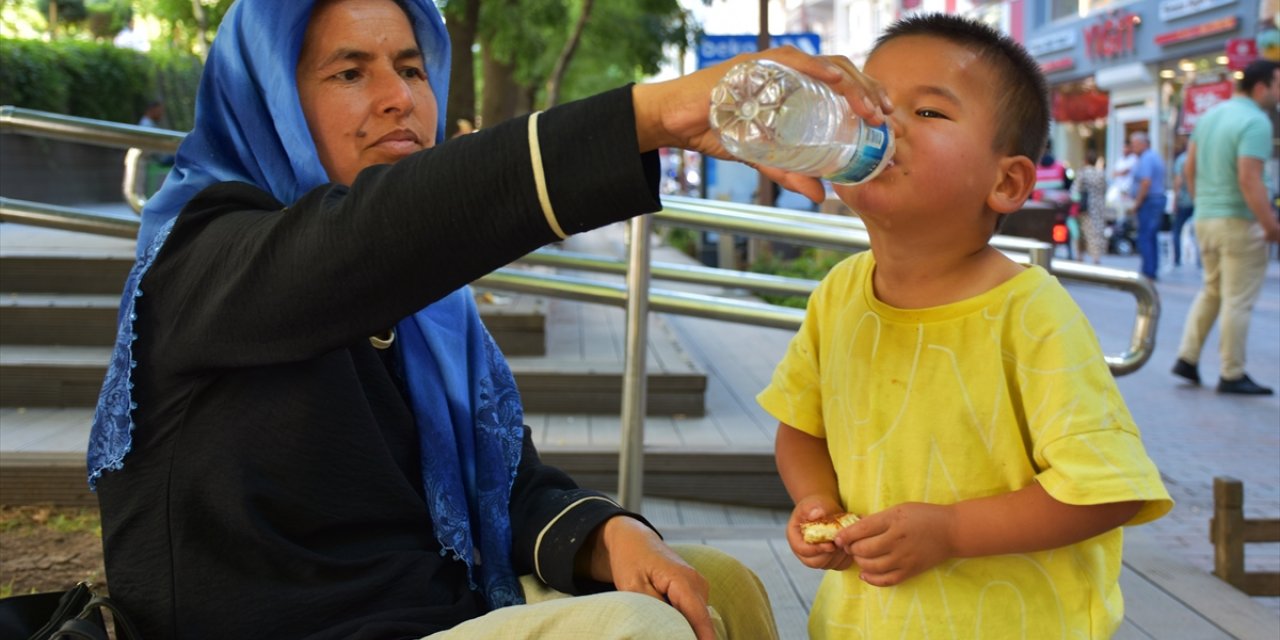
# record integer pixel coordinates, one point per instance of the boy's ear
(1015, 180)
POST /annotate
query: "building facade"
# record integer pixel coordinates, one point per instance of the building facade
(1113, 66)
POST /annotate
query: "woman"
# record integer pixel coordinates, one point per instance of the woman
(305, 430)
(1090, 190)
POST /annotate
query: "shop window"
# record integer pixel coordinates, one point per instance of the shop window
(1078, 8)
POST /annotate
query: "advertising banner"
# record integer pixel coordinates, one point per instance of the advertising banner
(1200, 98)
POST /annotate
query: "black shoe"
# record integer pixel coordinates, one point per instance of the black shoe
(1187, 370)
(1243, 386)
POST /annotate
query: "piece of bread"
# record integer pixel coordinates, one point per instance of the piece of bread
(825, 530)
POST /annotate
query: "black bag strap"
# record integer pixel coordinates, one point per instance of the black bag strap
(93, 610)
(70, 604)
(80, 629)
(79, 617)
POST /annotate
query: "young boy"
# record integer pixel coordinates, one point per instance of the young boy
(956, 400)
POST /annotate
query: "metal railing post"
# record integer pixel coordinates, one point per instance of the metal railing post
(634, 378)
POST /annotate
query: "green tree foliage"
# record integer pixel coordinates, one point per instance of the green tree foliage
(96, 80)
(189, 25)
(623, 42)
(69, 11)
(106, 18)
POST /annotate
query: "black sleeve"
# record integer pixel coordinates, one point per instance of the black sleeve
(341, 263)
(551, 519)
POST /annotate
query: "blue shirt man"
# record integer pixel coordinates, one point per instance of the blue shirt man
(1148, 200)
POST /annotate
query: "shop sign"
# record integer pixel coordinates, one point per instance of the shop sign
(1111, 36)
(1195, 32)
(1240, 52)
(1052, 42)
(714, 49)
(1174, 9)
(1057, 64)
(1200, 98)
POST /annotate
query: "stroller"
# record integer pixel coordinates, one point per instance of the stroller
(1122, 235)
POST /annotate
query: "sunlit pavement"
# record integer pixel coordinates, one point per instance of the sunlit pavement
(1194, 433)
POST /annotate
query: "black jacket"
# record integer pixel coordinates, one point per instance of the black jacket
(273, 489)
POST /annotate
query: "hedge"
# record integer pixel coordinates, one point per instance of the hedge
(97, 80)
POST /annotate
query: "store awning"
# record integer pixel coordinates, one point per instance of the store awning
(1080, 105)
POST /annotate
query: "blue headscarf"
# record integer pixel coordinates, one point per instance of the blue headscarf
(250, 128)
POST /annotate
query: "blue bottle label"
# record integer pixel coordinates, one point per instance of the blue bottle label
(866, 160)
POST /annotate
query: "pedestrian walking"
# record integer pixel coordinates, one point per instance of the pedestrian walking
(1090, 190)
(1234, 220)
(1148, 200)
(1182, 204)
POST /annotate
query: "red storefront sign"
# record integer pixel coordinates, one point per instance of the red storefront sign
(1112, 36)
(1240, 52)
(1057, 64)
(1200, 98)
(1194, 32)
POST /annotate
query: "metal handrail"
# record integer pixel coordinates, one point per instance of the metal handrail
(813, 229)
(820, 230)
(506, 279)
(704, 214)
(87, 131)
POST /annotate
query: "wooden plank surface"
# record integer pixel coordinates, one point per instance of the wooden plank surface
(1199, 591)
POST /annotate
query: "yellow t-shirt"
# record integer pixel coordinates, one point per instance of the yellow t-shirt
(971, 399)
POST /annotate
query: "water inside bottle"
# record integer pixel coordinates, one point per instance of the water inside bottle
(772, 115)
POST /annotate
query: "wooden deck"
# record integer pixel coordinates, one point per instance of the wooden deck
(1164, 599)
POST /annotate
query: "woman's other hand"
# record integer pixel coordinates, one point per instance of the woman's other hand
(631, 556)
(676, 113)
(823, 555)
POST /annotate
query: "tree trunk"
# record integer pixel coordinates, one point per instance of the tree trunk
(501, 93)
(202, 29)
(462, 26)
(566, 54)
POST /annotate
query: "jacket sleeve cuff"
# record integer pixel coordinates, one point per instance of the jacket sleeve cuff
(564, 537)
(593, 170)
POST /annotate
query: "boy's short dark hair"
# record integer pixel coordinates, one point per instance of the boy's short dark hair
(1022, 110)
(1258, 72)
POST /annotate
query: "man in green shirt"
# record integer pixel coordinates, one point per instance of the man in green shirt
(1234, 222)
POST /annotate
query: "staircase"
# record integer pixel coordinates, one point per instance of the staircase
(59, 293)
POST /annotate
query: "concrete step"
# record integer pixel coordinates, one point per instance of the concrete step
(51, 376)
(42, 461)
(518, 324)
(735, 477)
(45, 271)
(70, 376)
(58, 318)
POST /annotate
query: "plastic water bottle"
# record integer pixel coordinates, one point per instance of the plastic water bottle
(773, 115)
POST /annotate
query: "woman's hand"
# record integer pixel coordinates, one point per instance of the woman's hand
(823, 555)
(899, 543)
(633, 557)
(676, 113)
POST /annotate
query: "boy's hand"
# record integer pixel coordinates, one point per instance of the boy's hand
(823, 555)
(898, 543)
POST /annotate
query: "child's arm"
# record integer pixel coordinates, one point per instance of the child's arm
(900, 542)
(810, 479)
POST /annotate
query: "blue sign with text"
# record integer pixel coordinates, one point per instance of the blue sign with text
(716, 49)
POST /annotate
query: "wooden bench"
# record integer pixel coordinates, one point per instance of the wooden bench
(1229, 530)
